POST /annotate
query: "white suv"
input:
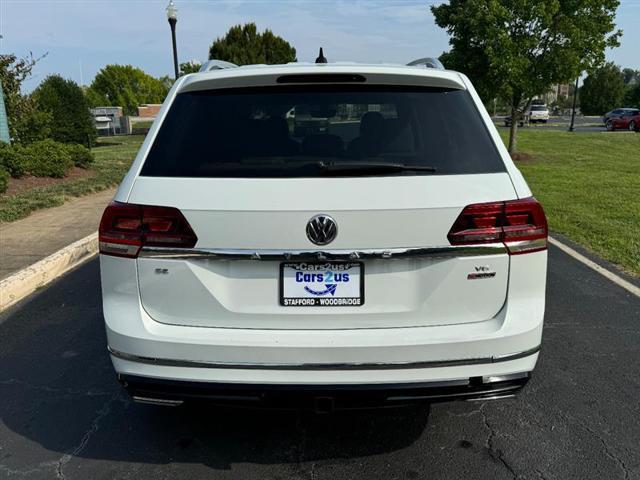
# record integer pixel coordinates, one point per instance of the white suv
(538, 113)
(398, 255)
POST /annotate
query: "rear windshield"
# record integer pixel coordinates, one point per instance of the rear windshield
(538, 108)
(318, 131)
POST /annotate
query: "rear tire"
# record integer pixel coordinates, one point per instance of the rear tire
(632, 126)
(609, 126)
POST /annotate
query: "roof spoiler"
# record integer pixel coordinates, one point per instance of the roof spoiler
(427, 62)
(216, 65)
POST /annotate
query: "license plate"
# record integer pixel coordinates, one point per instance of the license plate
(322, 284)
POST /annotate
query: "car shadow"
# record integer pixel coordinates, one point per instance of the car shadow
(59, 391)
(220, 438)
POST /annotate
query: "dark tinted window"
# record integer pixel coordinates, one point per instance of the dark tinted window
(538, 108)
(306, 131)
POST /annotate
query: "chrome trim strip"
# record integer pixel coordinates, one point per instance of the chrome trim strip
(498, 396)
(321, 366)
(321, 255)
(504, 378)
(158, 401)
(527, 245)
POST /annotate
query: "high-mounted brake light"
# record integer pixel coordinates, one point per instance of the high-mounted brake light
(125, 228)
(520, 224)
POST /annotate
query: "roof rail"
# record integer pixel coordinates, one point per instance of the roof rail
(216, 65)
(427, 62)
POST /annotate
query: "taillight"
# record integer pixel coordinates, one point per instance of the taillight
(125, 228)
(520, 224)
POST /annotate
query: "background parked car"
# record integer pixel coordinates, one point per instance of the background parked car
(533, 114)
(629, 120)
(538, 113)
(524, 119)
(618, 112)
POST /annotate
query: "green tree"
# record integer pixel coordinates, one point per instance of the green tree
(126, 86)
(244, 45)
(632, 96)
(69, 109)
(93, 98)
(516, 50)
(26, 123)
(167, 82)
(631, 76)
(602, 91)
(631, 87)
(191, 66)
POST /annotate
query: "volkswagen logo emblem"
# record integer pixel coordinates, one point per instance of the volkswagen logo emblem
(322, 229)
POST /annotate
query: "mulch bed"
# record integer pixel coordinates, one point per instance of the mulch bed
(26, 183)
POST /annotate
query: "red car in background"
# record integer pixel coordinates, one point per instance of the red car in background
(629, 120)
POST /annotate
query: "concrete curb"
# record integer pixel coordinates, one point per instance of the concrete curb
(26, 281)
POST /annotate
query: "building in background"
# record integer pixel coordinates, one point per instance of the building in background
(149, 110)
(110, 121)
(103, 125)
(556, 93)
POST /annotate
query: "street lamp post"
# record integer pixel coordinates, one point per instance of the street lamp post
(573, 109)
(172, 17)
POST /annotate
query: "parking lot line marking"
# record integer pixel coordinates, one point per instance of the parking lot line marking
(594, 266)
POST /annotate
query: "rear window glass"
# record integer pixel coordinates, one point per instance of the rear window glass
(319, 130)
(538, 108)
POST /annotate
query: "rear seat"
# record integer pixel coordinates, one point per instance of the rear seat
(379, 135)
(270, 136)
(324, 145)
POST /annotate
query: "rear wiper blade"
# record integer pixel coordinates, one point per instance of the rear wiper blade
(365, 166)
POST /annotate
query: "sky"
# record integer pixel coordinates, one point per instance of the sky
(81, 36)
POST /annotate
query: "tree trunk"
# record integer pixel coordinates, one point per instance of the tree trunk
(513, 130)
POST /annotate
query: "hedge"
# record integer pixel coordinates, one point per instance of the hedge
(48, 158)
(45, 158)
(80, 155)
(12, 159)
(4, 179)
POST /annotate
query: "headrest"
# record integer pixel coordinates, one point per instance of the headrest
(371, 124)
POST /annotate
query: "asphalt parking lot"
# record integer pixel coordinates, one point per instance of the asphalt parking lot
(64, 416)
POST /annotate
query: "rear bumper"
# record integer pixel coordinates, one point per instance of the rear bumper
(506, 344)
(320, 398)
(325, 375)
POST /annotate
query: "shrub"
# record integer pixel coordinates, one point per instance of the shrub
(12, 159)
(48, 158)
(65, 101)
(80, 155)
(4, 180)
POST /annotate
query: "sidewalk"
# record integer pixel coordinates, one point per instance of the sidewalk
(26, 241)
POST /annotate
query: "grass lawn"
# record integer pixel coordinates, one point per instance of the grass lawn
(113, 159)
(142, 124)
(589, 184)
